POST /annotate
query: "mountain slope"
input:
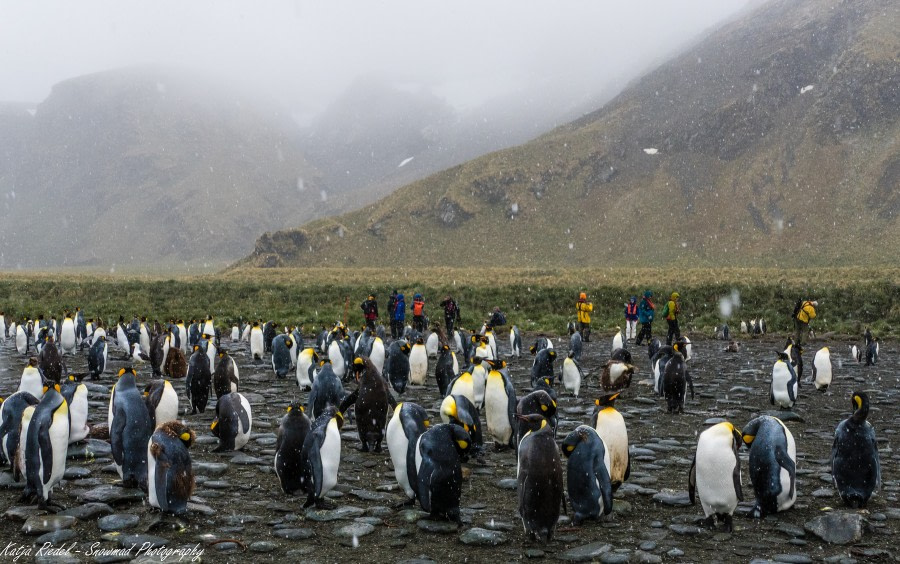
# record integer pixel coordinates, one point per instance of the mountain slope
(145, 166)
(774, 141)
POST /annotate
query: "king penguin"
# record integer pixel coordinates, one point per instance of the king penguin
(130, 427)
(281, 355)
(76, 394)
(45, 447)
(170, 477)
(407, 424)
(610, 425)
(587, 474)
(784, 383)
(540, 479)
(821, 369)
(67, 335)
(773, 464)
(226, 378)
(295, 425)
(162, 401)
(257, 344)
(500, 409)
(571, 374)
(233, 422)
(306, 364)
(438, 471)
(97, 356)
(715, 474)
(515, 342)
(855, 467)
(321, 456)
(32, 381)
(11, 412)
(198, 380)
(327, 389)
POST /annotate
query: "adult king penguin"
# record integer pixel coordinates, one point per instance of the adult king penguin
(76, 395)
(170, 477)
(773, 464)
(610, 425)
(855, 467)
(225, 379)
(295, 425)
(281, 355)
(500, 409)
(321, 456)
(306, 365)
(784, 383)
(407, 424)
(540, 480)
(587, 474)
(130, 427)
(162, 402)
(715, 474)
(233, 422)
(44, 447)
(821, 369)
(438, 471)
(11, 412)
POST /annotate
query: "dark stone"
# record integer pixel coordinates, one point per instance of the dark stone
(294, 534)
(442, 527)
(40, 524)
(482, 537)
(118, 522)
(585, 553)
(837, 528)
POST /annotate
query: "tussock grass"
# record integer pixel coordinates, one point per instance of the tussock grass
(535, 299)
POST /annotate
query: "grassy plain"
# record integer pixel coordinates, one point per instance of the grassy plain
(535, 299)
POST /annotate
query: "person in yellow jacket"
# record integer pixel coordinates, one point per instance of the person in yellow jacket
(584, 308)
(803, 314)
(670, 312)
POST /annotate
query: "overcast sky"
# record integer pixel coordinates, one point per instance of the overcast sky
(304, 53)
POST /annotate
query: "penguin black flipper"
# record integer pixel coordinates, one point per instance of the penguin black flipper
(783, 460)
(412, 474)
(315, 463)
(163, 479)
(46, 448)
(349, 399)
(791, 382)
(736, 474)
(692, 481)
(601, 474)
(115, 439)
(690, 381)
(424, 494)
(627, 467)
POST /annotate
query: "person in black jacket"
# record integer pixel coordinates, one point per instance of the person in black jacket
(370, 311)
(391, 306)
(497, 318)
(451, 314)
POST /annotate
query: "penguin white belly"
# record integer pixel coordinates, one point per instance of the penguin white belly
(78, 413)
(256, 344)
(492, 344)
(165, 353)
(67, 336)
(245, 336)
(455, 362)
(330, 454)
(611, 428)
(479, 381)
(209, 329)
(243, 435)
(715, 482)
(337, 359)
(780, 378)
(31, 382)
(418, 365)
(303, 364)
(822, 363)
(617, 341)
(397, 446)
(21, 340)
(235, 334)
(457, 340)
(656, 377)
(513, 351)
(167, 409)
(687, 349)
(495, 407)
(145, 339)
(485, 352)
(237, 374)
(59, 443)
(787, 498)
(122, 339)
(419, 453)
(571, 377)
(182, 338)
(463, 388)
(23, 434)
(211, 354)
(431, 345)
(99, 332)
(377, 354)
(151, 477)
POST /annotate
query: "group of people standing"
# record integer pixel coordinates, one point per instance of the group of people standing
(396, 310)
(643, 313)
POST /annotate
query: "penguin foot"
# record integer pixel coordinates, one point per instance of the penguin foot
(50, 506)
(324, 504)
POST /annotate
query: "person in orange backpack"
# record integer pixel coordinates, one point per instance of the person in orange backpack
(418, 309)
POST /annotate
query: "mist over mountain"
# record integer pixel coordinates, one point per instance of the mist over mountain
(773, 141)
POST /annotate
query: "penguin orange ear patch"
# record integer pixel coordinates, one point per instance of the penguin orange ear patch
(185, 436)
(214, 423)
(749, 438)
(543, 408)
(570, 448)
(121, 372)
(463, 444)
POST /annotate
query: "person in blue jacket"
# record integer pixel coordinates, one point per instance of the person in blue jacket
(646, 311)
(398, 316)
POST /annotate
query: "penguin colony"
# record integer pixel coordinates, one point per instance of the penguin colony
(481, 413)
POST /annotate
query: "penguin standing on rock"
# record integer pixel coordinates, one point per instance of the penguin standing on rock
(130, 427)
(170, 477)
(855, 467)
(44, 448)
(321, 456)
(610, 425)
(438, 472)
(675, 381)
(715, 474)
(295, 425)
(408, 423)
(773, 464)
(587, 475)
(233, 422)
(540, 479)
(11, 412)
(372, 402)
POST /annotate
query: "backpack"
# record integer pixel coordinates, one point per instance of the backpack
(418, 308)
(797, 307)
(665, 311)
(450, 310)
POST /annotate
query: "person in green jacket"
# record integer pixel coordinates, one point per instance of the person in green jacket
(671, 311)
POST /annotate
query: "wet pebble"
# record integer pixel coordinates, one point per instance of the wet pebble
(482, 537)
(674, 499)
(40, 524)
(118, 522)
(56, 537)
(615, 557)
(534, 553)
(792, 558)
(90, 448)
(675, 553)
(294, 534)
(210, 468)
(126, 541)
(507, 484)
(685, 529)
(412, 515)
(379, 511)
(23, 512)
(440, 527)
(648, 545)
(354, 530)
(585, 553)
(76, 472)
(111, 494)
(646, 557)
(343, 512)
(838, 527)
